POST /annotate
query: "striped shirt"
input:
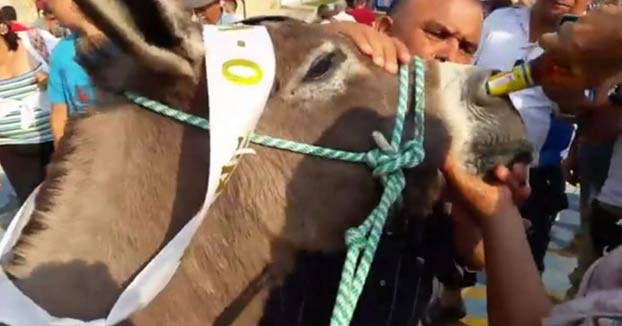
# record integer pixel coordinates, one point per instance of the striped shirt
(24, 110)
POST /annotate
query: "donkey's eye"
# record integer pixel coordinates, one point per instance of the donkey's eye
(323, 66)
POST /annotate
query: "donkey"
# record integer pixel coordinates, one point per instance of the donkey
(125, 180)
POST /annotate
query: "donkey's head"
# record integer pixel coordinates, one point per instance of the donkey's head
(325, 93)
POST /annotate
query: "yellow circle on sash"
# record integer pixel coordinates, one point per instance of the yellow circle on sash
(241, 80)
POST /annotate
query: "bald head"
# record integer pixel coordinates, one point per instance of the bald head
(447, 30)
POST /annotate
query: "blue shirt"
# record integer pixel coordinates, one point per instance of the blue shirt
(68, 82)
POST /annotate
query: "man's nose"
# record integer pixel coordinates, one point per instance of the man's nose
(447, 50)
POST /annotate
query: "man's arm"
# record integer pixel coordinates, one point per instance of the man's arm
(516, 296)
(56, 94)
(58, 119)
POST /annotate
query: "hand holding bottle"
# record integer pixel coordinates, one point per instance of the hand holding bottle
(592, 46)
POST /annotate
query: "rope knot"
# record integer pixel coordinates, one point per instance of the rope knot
(355, 238)
(387, 160)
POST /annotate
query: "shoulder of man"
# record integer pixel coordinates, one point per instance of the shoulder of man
(64, 49)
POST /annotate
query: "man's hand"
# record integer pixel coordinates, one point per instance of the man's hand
(42, 80)
(387, 52)
(592, 45)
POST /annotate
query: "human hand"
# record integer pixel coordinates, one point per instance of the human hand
(42, 80)
(387, 52)
(486, 201)
(590, 45)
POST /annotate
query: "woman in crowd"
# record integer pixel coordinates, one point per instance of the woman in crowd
(25, 136)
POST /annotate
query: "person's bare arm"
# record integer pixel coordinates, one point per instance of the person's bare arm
(58, 119)
(516, 295)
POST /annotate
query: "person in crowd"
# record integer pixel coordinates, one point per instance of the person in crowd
(10, 14)
(40, 37)
(363, 15)
(585, 45)
(229, 15)
(596, 162)
(606, 208)
(48, 22)
(342, 16)
(331, 13)
(25, 135)
(324, 15)
(207, 12)
(493, 207)
(70, 89)
(443, 31)
(510, 36)
(587, 165)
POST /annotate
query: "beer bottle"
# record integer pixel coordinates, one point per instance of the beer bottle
(536, 72)
(530, 74)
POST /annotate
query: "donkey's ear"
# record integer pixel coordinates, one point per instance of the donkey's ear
(158, 33)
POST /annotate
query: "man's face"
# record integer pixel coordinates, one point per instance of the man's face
(439, 30)
(555, 9)
(209, 14)
(65, 12)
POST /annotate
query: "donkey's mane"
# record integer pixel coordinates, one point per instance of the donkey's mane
(50, 188)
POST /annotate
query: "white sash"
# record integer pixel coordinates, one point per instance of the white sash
(240, 68)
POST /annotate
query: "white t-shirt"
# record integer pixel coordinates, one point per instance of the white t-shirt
(505, 40)
(611, 192)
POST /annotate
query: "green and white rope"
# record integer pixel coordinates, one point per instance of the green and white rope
(387, 163)
(363, 241)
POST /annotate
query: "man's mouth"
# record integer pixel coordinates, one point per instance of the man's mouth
(563, 4)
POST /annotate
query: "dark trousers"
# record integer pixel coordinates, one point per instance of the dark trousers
(605, 231)
(548, 197)
(24, 166)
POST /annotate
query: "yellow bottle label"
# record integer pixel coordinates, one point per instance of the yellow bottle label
(510, 81)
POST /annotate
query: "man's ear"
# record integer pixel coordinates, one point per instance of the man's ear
(384, 25)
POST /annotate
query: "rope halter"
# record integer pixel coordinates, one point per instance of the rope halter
(387, 162)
